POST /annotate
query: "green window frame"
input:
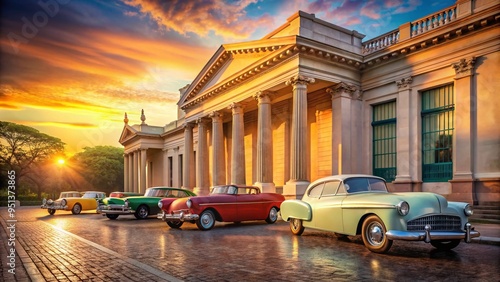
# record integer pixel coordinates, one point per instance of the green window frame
(437, 134)
(384, 141)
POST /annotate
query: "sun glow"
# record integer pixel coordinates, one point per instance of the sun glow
(61, 161)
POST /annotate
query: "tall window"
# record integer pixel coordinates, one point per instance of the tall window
(437, 134)
(384, 141)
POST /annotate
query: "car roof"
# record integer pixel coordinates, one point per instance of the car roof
(343, 177)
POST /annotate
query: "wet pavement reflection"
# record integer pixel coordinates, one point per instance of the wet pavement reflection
(252, 251)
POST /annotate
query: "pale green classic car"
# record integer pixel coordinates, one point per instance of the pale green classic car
(361, 205)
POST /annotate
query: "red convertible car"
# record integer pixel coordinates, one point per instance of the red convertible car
(227, 203)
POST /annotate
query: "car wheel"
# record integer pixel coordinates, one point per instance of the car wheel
(206, 220)
(142, 212)
(175, 224)
(296, 226)
(112, 216)
(273, 216)
(51, 211)
(77, 208)
(373, 234)
(445, 245)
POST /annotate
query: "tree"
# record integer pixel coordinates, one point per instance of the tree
(26, 150)
(102, 166)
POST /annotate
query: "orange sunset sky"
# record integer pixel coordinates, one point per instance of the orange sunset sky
(72, 68)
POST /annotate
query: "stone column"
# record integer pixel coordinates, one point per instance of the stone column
(342, 95)
(202, 185)
(188, 163)
(125, 172)
(136, 171)
(299, 150)
(131, 172)
(403, 181)
(465, 126)
(142, 186)
(238, 145)
(175, 168)
(166, 170)
(218, 162)
(264, 173)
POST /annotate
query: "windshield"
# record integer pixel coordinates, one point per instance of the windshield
(223, 190)
(156, 193)
(364, 184)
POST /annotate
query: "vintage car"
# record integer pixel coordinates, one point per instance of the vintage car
(226, 203)
(140, 206)
(361, 204)
(73, 201)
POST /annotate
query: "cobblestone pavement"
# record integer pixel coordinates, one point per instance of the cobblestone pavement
(89, 247)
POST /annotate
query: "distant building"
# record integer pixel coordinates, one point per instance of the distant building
(418, 105)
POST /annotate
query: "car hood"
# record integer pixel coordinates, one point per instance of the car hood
(113, 201)
(421, 203)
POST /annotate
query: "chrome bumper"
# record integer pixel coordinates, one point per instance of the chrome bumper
(429, 235)
(54, 207)
(181, 216)
(114, 209)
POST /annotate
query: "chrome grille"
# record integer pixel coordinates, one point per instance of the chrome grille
(437, 223)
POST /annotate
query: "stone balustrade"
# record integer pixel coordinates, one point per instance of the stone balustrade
(381, 42)
(416, 28)
(433, 21)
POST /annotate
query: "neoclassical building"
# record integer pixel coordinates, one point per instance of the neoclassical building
(417, 105)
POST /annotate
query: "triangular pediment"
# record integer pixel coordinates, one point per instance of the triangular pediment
(233, 64)
(128, 133)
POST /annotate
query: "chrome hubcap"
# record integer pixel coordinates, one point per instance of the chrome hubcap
(273, 214)
(206, 220)
(375, 234)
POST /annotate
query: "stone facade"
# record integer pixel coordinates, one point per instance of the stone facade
(297, 105)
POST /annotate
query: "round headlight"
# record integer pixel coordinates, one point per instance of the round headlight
(160, 204)
(403, 208)
(63, 202)
(189, 203)
(126, 203)
(468, 210)
(50, 202)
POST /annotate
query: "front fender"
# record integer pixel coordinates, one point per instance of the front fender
(295, 209)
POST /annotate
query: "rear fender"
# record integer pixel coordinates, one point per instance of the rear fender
(295, 209)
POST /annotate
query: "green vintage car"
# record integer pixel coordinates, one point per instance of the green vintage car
(361, 205)
(140, 206)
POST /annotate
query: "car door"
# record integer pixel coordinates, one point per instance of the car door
(327, 211)
(250, 204)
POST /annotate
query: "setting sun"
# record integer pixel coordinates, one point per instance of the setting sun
(60, 161)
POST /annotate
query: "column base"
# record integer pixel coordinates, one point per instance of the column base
(462, 191)
(201, 191)
(266, 187)
(295, 189)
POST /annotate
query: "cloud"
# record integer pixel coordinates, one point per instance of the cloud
(203, 18)
(62, 124)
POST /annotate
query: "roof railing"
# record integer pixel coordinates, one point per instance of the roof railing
(411, 29)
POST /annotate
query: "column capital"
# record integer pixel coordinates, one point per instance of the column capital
(464, 67)
(343, 89)
(216, 116)
(237, 108)
(201, 121)
(188, 125)
(404, 83)
(300, 79)
(263, 97)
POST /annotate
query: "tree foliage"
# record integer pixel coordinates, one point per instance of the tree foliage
(26, 151)
(102, 166)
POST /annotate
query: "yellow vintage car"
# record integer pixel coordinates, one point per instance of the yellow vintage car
(74, 201)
